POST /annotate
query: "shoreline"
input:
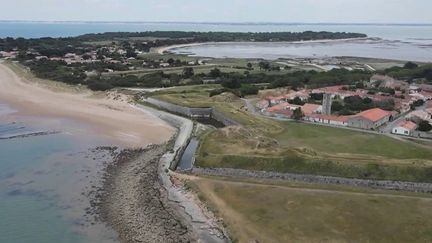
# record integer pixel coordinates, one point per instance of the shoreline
(137, 196)
(108, 116)
(167, 49)
(132, 201)
(305, 53)
(140, 191)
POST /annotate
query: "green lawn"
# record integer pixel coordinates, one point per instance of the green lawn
(307, 213)
(266, 144)
(311, 149)
(336, 140)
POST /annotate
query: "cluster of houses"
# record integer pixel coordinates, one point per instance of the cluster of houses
(93, 57)
(369, 119)
(408, 126)
(8, 54)
(372, 119)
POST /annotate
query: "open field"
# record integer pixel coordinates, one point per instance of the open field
(283, 212)
(227, 65)
(342, 141)
(345, 153)
(271, 145)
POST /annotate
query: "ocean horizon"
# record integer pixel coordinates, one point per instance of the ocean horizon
(38, 29)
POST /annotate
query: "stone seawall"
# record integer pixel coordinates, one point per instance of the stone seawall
(190, 112)
(184, 128)
(314, 179)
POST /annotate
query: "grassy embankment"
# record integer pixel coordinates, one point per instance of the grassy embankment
(269, 211)
(264, 144)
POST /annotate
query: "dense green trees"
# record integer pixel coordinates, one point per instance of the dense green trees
(354, 104)
(424, 126)
(411, 71)
(222, 36)
(410, 65)
(296, 101)
(298, 114)
(188, 72)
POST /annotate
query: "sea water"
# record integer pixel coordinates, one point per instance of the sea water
(44, 185)
(66, 29)
(394, 41)
(366, 48)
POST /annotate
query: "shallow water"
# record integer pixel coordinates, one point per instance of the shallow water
(370, 48)
(400, 42)
(44, 182)
(186, 161)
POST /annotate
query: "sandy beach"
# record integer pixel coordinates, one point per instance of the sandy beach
(110, 117)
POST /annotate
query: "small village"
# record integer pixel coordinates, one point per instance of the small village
(383, 104)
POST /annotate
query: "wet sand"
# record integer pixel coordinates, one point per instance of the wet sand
(114, 119)
(132, 195)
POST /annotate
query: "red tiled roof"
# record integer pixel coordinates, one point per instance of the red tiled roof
(374, 115)
(275, 98)
(426, 87)
(331, 88)
(281, 106)
(407, 125)
(310, 108)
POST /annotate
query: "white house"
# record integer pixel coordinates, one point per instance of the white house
(404, 128)
(328, 119)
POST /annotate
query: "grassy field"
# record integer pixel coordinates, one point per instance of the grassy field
(282, 146)
(228, 104)
(342, 141)
(311, 149)
(283, 212)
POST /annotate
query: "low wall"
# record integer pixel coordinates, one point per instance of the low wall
(190, 112)
(419, 134)
(315, 179)
(177, 109)
(223, 119)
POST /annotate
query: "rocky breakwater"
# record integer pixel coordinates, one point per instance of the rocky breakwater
(134, 202)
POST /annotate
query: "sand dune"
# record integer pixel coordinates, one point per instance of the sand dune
(115, 120)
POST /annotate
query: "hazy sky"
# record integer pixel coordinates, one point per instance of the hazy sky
(340, 11)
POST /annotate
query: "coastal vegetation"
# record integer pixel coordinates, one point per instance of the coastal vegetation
(262, 143)
(179, 37)
(411, 71)
(122, 59)
(282, 146)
